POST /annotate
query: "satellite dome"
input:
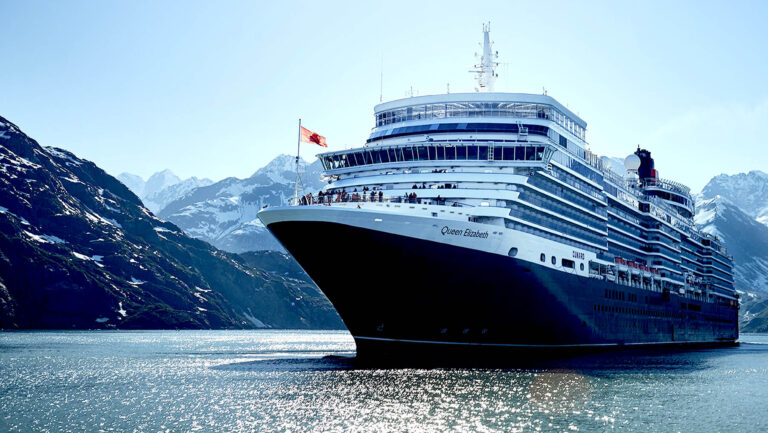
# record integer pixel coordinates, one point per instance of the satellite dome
(632, 162)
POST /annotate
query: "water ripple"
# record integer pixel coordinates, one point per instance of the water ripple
(291, 381)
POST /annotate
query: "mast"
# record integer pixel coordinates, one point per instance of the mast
(486, 70)
(298, 176)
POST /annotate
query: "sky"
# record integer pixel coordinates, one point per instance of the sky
(215, 89)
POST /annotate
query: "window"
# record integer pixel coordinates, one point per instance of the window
(568, 263)
(512, 252)
(543, 257)
(554, 260)
(581, 266)
(472, 153)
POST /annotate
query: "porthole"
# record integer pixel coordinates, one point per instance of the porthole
(581, 266)
(554, 260)
(543, 257)
(512, 252)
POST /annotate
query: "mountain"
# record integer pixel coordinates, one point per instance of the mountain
(161, 188)
(224, 213)
(745, 238)
(79, 250)
(159, 181)
(754, 312)
(133, 181)
(748, 191)
(158, 200)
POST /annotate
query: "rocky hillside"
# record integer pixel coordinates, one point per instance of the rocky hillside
(734, 209)
(224, 213)
(79, 250)
(754, 312)
(745, 238)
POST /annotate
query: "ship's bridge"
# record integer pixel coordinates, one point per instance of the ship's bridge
(475, 112)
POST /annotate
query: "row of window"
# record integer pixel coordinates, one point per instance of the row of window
(571, 163)
(480, 109)
(459, 152)
(638, 312)
(524, 228)
(536, 217)
(566, 263)
(556, 189)
(545, 202)
(507, 128)
(576, 182)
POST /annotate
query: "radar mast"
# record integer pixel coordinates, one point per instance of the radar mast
(485, 71)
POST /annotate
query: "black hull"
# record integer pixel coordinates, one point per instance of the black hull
(398, 294)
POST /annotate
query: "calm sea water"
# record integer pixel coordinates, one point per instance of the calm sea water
(232, 381)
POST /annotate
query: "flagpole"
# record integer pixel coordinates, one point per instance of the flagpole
(296, 182)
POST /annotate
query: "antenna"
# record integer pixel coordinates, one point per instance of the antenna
(447, 87)
(486, 70)
(381, 81)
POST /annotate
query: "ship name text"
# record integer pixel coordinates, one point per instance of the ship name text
(465, 232)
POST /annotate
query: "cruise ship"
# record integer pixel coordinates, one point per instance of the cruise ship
(481, 220)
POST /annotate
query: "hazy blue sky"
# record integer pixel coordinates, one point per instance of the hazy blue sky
(215, 89)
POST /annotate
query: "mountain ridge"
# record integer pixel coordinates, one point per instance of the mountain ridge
(161, 188)
(78, 249)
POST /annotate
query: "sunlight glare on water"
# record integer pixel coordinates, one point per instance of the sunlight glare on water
(243, 381)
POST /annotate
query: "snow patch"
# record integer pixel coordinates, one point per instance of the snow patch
(80, 256)
(102, 320)
(61, 155)
(256, 322)
(100, 219)
(45, 239)
(70, 178)
(136, 282)
(120, 310)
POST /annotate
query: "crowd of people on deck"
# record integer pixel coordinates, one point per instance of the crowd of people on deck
(338, 196)
(439, 186)
(371, 195)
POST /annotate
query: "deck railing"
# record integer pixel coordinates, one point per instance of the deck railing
(364, 197)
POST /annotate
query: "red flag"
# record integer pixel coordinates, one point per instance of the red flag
(308, 136)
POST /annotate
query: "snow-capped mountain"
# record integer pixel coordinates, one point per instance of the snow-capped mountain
(159, 181)
(160, 199)
(745, 238)
(79, 250)
(735, 208)
(134, 182)
(161, 188)
(748, 191)
(224, 213)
